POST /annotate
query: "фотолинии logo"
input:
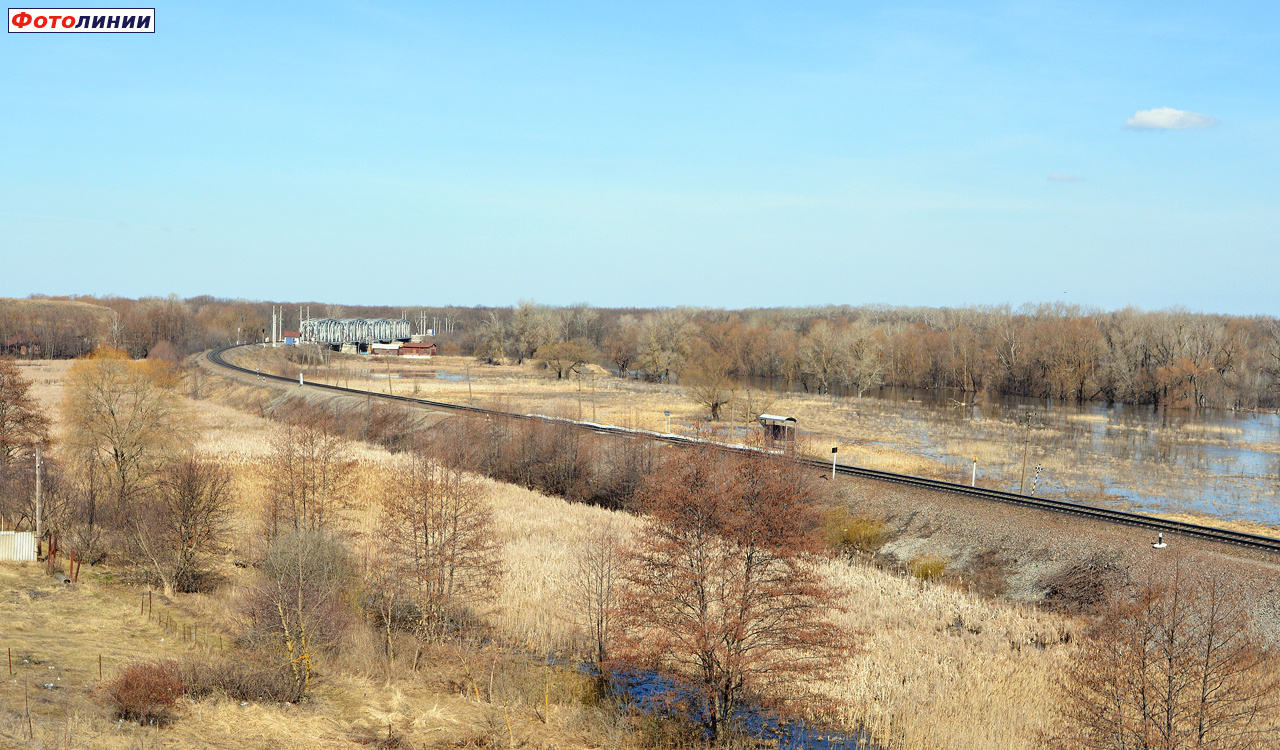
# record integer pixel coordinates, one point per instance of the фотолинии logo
(82, 20)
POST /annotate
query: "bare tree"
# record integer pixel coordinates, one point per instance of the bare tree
(18, 507)
(532, 327)
(862, 363)
(387, 603)
(596, 587)
(23, 423)
(300, 608)
(567, 357)
(579, 322)
(23, 426)
(125, 421)
(438, 530)
(708, 380)
(752, 403)
(664, 340)
(720, 591)
(1179, 664)
(183, 523)
(823, 354)
(309, 479)
(623, 345)
(491, 340)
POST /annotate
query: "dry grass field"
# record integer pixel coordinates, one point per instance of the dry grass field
(52, 307)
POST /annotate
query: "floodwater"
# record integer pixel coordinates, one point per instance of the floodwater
(654, 694)
(1148, 458)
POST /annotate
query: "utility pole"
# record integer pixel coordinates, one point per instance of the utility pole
(1026, 447)
(39, 502)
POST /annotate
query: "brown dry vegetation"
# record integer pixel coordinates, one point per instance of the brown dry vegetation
(941, 667)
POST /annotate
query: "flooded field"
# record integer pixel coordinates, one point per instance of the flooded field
(1152, 459)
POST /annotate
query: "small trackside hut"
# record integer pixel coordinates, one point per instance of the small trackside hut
(779, 432)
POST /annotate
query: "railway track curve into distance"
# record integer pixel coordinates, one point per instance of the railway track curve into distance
(1252, 541)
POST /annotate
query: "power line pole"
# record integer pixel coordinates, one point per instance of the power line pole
(1026, 446)
(39, 501)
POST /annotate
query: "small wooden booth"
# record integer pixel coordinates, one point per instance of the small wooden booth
(779, 432)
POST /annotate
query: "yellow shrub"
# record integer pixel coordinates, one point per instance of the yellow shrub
(927, 567)
(846, 531)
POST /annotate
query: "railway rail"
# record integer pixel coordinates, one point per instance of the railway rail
(1253, 541)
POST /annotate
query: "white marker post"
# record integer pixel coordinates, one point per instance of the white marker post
(973, 479)
(299, 377)
(833, 461)
(667, 414)
(1160, 542)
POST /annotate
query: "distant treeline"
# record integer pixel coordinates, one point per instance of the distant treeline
(1172, 357)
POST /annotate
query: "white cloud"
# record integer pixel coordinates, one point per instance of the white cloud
(1168, 118)
(1055, 177)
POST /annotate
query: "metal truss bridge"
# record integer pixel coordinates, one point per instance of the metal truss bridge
(354, 330)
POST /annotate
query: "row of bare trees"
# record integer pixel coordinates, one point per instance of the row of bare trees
(1050, 351)
(1059, 351)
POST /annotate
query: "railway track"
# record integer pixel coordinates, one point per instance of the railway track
(1138, 520)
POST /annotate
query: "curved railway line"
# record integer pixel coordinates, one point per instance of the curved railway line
(1209, 533)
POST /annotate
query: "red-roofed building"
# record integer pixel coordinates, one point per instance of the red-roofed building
(418, 349)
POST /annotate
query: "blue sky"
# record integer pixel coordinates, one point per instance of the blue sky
(652, 154)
